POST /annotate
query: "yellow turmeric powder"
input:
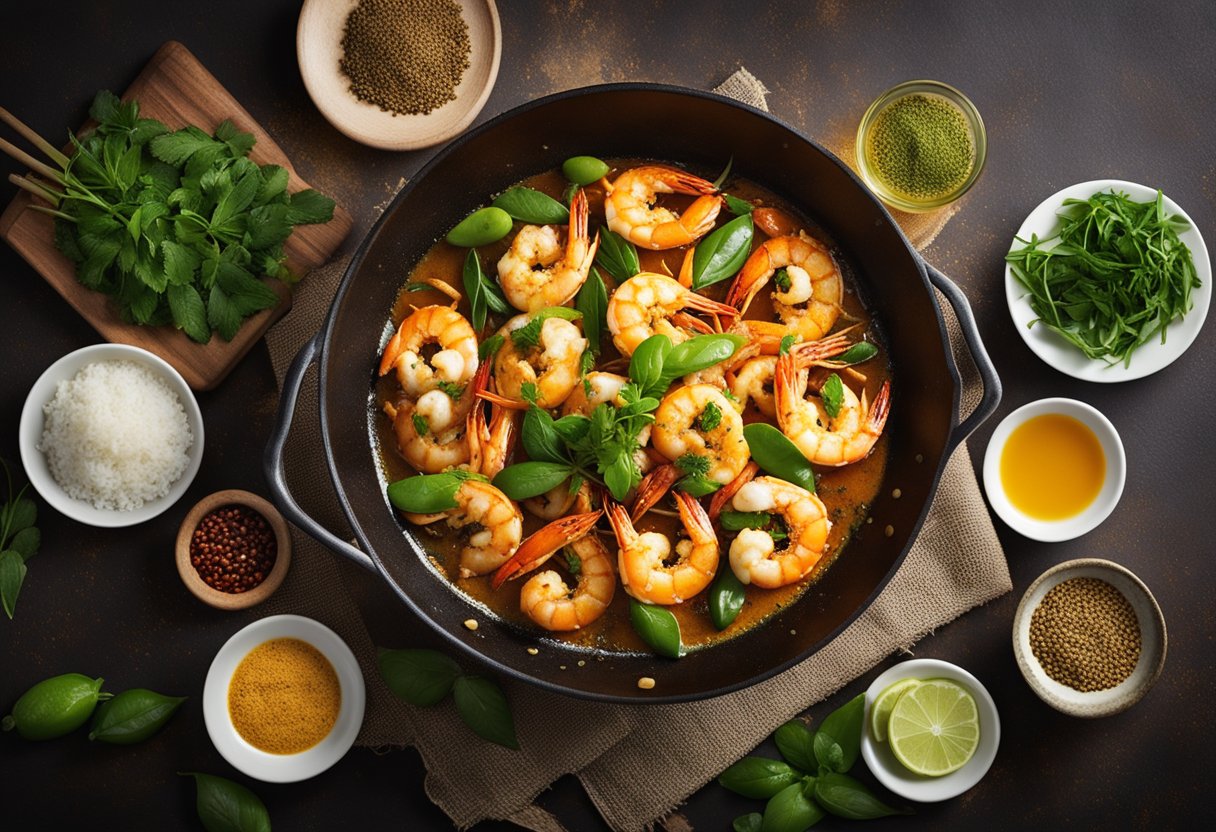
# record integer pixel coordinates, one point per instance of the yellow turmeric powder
(284, 696)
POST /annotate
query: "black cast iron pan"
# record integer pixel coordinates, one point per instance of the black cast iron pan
(699, 129)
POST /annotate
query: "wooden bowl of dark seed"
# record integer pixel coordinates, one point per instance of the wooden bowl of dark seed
(1089, 638)
(233, 549)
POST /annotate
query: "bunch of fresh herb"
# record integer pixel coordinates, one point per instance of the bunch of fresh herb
(1116, 276)
(19, 540)
(797, 798)
(177, 226)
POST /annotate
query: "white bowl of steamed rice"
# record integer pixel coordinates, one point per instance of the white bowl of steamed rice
(111, 435)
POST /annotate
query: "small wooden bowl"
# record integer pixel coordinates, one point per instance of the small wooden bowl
(233, 600)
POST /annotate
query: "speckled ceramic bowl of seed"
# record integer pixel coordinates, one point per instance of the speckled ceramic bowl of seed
(1152, 641)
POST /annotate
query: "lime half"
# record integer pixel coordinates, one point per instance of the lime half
(884, 703)
(934, 728)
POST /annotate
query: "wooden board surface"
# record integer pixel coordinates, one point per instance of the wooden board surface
(176, 89)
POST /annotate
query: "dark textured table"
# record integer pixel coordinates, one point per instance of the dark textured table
(1069, 93)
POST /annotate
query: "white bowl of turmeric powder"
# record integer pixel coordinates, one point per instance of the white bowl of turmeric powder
(284, 699)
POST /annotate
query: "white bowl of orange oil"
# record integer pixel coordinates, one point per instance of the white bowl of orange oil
(284, 699)
(1054, 469)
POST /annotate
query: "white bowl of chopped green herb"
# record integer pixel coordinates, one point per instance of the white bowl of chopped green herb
(1089, 638)
(399, 74)
(111, 435)
(1133, 313)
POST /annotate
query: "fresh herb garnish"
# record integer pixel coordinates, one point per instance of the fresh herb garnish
(782, 280)
(859, 353)
(617, 256)
(530, 205)
(528, 335)
(483, 295)
(787, 341)
(657, 627)
(832, 395)
(776, 453)
(737, 206)
(19, 540)
(421, 426)
(429, 493)
(1116, 277)
(489, 347)
(710, 418)
(720, 255)
(693, 464)
(573, 562)
(592, 302)
(175, 227)
(451, 388)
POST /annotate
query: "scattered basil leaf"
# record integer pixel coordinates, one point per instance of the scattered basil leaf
(225, 806)
(648, 360)
(657, 627)
(529, 392)
(569, 194)
(843, 725)
(832, 395)
(429, 493)
(592, 302)
(421, 426)
(860, 352)
(529, 205)
(621, 473)
(698, 485)
(574, 564)
(720, 255)
(828, 752)
(489, 347)
(483, 707)
(20, 514)
(483, 294)
(725, 173)
(790, 810)
(531, 479)
(846, 797)
(528, 335)
(12, 576)
(796, 743)
(697, 353)
(758, 777)
(133, 716)
(727, 594)
(777, 455)
(733, 521)
(617, 256)
(787, 341)
(748, 823)
(737, 206)
(420, 677)
(540, 438)
(451, 388)
(26, 542)
(19, 540)
(572, 428)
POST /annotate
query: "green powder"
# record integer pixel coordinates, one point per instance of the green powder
(921, 147)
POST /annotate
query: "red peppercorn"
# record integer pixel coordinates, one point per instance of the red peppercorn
(233, 548)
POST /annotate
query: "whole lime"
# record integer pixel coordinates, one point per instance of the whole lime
(54, 707)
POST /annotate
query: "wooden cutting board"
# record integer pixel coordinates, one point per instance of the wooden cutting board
(176, 89)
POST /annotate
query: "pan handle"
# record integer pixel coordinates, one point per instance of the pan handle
(975, 346)
(272, 459)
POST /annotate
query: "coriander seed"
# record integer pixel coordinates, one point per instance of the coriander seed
(1085, 635)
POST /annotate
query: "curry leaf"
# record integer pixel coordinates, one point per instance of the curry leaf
(420, 677)
(483, 707)
(773, 451)
(720, 255)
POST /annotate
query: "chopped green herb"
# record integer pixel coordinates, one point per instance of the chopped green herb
(573, 562)
(787, 341)
(832, 395)
(693, 464)
(782, 280)
(421, 426)
(710, 418)
(529, 393)
(453, 389)
(528, 335)
(489, 347)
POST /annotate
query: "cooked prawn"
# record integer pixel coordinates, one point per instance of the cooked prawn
(680, 428)
(546, 598)
(753, 555)
(631, 211)
(642, 557)
(552, 365)
(538, 271)
(847, 437)
(649, 303)
(493, 523)
(810, 303)
(490, 443)
(753, 383)
(429, 450)
(455, 362)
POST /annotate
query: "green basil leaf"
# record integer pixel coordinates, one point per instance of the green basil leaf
(698, 353)
(832, 395)
(225, 806)
(758, 777)
(725, 173)
(528, 335)
(726, 597)
(532, 206)
(828, 752)
(846, 797)
(858, 353)
(646, 364)
(531, 479)
(720, 255)
(12, 576)
(540, 438)
(592, 301)
(843, 725)
(796, 743)
(698, 486)
(657, 627)
(132, 716)
(750, 822)
(572, 428)
(420, 677)
(620, 474)
(483, 707)
(790, 810)
(617, 256)
(787, 341)
(733, 521)
(22, 513)
(474, 290)
(26, 542)
(489, 347)
(737, 206)
(777, 455)
(429, 493)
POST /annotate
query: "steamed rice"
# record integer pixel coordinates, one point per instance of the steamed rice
(116, 435)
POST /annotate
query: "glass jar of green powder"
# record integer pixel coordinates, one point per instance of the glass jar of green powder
(921, 145)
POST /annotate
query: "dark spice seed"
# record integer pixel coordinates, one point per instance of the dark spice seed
(233, 548)
(405, 56)
(1085, 635)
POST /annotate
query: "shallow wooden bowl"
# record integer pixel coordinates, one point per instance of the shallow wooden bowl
(230, 600)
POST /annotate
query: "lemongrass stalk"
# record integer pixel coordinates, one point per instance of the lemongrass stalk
(52, 152)
(33, 164)
(36, 188)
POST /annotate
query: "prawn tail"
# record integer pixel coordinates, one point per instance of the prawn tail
(724, 494)
(700, 528)
(542, 543)
(652, 488)
(876, 420)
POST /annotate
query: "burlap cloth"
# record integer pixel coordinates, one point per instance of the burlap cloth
(637, 763)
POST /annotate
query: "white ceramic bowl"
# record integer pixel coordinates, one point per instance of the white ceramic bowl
(319, 50)
(1150, 357)
(1152, 641)
(1051, 531)
(283, 768)
(891, 773)
(32, 422)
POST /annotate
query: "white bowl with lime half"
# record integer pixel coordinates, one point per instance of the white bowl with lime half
(893, 774)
